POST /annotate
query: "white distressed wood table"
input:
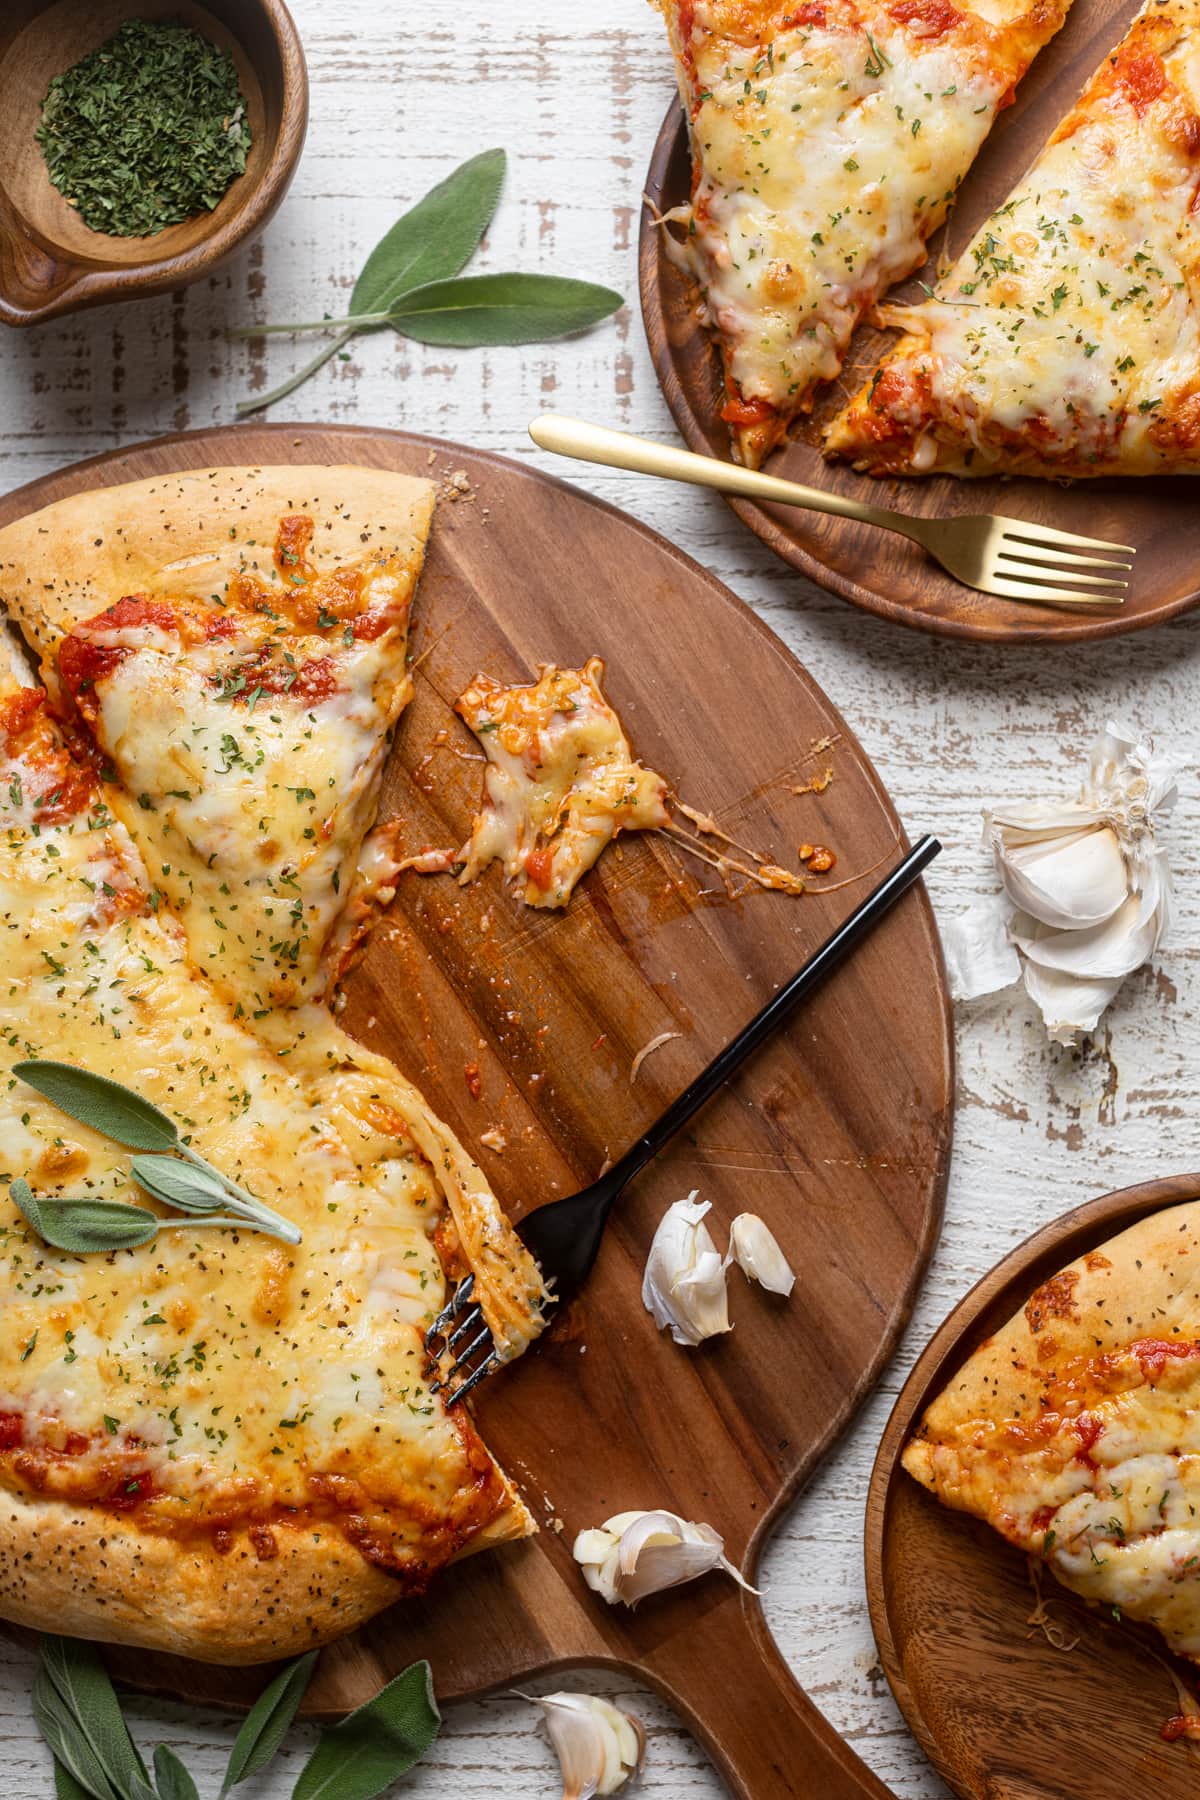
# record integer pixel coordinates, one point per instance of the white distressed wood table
(400, 95)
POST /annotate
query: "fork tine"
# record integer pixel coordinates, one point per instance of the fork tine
(469, 1322)
(1049, 596)
(452, 1308)
(1049, 534)
(1046, 569)
(473, 1379)
(1047, 553)
(447, 1381)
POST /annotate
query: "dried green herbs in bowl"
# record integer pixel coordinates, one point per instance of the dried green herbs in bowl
(146, 131)
(136, 155)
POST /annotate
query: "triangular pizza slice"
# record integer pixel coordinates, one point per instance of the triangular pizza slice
(1075, 1429)
(217, 1443)
(1065, 341)
(828, 139)
(233, 643)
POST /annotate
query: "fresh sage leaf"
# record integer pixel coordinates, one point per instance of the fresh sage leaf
(65, 1785)
(179, 1183)
(84, 1225)
(171, 1778)
(402, 281)
(360, 1756)
(436, 238)
(77, 1709)
(109, 1107)
(26, 1203)
(501, 309)
(267, 1721)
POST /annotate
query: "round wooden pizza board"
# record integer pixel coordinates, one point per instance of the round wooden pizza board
(1000, 1711)
(877, 570)
(838, 1133)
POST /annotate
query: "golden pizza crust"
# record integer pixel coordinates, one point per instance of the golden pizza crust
(189, 533)
(79, 1573)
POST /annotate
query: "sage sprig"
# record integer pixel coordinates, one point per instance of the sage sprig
(79, 1714)
(171, 1171)
(411, 282)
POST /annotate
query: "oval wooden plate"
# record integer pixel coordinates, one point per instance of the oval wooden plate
(1001, 1713)
(838, 1133)
(875, 569)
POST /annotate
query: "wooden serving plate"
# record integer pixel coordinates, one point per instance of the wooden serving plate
(50, 261)
(838, 1133)
(876, 569)
(1001, 1713)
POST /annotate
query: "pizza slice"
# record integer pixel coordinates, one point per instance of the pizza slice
(1075, 1430)
(561, 781)
(1066, 339)
(216, 1443)
(828, 139)
(233, 644)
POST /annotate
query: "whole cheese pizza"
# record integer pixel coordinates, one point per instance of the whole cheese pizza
(829, 138)
(1065, 341)
(1075, 1430)
(218, 1443)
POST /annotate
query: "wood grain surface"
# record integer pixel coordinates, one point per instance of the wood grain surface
(528, 1024)
(50, 261)
(876, 569)
(998, 1707)
(397, 103)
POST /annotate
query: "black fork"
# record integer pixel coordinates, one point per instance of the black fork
(564, 1237)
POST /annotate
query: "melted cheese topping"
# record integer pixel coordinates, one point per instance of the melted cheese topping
(561, 781)
(1066, 339)
(214, 1376)
(1104, 1483)
(828, 138)
(249, 737)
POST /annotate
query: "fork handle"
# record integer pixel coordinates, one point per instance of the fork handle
(820, 964)
(622, 450)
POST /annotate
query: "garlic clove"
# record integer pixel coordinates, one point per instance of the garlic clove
(599, 1747)
(683, 1287)
(636, 1554)
(1086, 890)
(1070, 1005)
(756, 1252)
(1104, 952)
(1075, 879)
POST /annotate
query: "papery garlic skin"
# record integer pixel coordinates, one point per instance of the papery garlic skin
(599, 1747)
(1086, 891)
(634, 1554)
(683, 1287)
(755, 1250)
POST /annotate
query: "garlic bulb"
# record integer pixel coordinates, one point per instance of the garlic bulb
(684, 1283)
(756, 1252)
(1086, 890)
(599, 1747)
(638, 1553)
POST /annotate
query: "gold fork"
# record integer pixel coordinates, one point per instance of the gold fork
(1008, 557)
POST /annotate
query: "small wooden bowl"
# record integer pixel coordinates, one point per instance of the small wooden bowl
(50, 261)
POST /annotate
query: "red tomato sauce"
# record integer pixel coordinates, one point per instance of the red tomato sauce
(935, 17)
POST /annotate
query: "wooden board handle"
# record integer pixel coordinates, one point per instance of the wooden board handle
(767, 1739)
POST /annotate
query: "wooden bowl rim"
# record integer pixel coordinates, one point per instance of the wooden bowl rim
(651, 261)
(986, 1306)
(91, 286)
